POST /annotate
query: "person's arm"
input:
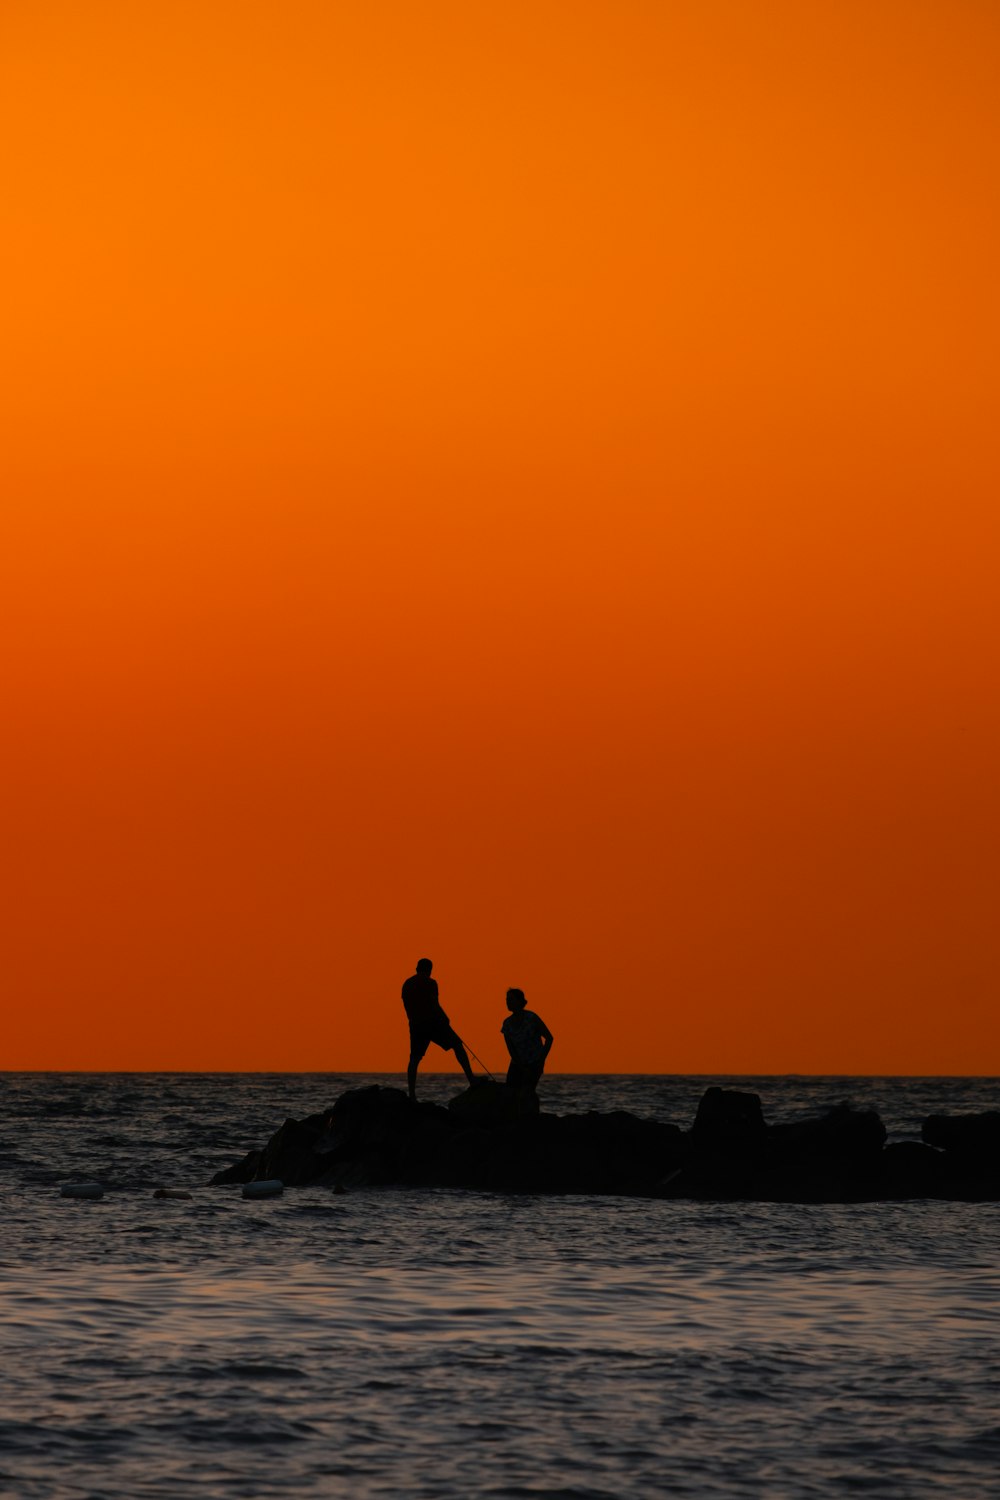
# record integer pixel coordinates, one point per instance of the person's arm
(506, 1036)
(546, 1037)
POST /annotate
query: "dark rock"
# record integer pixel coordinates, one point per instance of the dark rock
(624, 1153)
(832, 1158)
(485, 1140)
(843, 1134)
(912, 1170)
(971, 1148)
(461, 1160)
(972, 1135)
(590, 1154)
(490, 1104)
(712, 1180)
(290, 1156)
(376, 1135)
(727, 1118)
(242, 1171)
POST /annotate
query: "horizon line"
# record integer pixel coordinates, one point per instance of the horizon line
(426, 1073)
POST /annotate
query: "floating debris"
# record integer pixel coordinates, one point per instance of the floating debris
(81, 1190)
(272, 1188)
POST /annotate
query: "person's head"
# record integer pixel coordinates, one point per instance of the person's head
(516, 1000)
(424, 966)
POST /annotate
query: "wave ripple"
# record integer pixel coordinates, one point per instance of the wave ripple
(438, 1344)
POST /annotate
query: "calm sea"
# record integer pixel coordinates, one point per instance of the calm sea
(445, 1344)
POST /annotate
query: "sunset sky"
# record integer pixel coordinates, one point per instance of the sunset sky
(511, 482)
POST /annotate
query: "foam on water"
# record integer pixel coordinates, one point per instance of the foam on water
(439, 1344)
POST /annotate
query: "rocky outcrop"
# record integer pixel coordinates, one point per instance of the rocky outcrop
(492, 1139)
(966, 1135)
(488, 1139)
(969, 1146)
(728, 1120)
(832, 1158)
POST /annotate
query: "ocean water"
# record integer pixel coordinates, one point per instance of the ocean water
(439, 1344)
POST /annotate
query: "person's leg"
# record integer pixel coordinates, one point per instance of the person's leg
(418, 1046)
(521, 1079)
(463, 1060)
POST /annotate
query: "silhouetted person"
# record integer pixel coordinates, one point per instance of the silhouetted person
(428, 1023)
(529, 1042)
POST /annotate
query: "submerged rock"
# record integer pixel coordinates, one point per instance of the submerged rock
(492, 1138)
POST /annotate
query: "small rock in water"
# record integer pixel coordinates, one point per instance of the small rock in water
(81, 1190)
(171, 1193)
(272, 1188)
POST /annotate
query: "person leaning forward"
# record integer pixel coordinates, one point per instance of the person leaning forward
(428, 1023)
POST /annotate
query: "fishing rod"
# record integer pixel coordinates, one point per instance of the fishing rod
(477, 1057)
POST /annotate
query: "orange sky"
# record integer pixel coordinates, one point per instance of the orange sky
(515, 482)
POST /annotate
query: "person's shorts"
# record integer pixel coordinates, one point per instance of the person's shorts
(422, 1036)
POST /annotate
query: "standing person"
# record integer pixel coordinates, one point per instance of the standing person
(428, 1023)
(529, 1042)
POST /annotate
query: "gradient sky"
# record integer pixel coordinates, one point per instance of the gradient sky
(512, 482)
